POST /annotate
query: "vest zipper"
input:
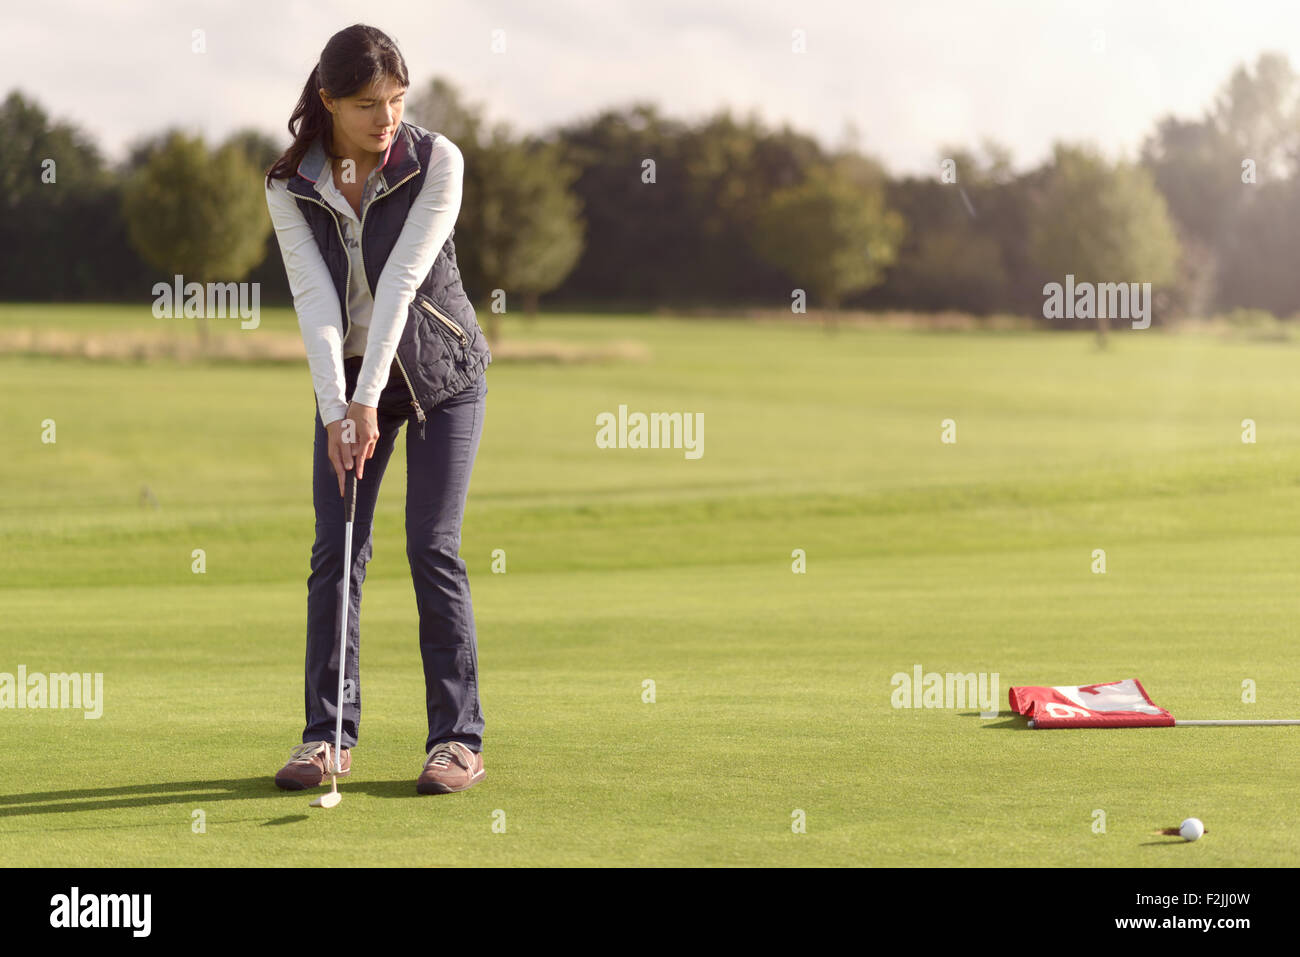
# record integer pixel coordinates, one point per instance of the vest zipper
(347, 313)
(460, 333)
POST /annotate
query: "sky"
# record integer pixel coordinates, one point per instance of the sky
(909, 76)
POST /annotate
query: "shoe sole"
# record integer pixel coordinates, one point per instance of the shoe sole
(291, 785)
(433, 787)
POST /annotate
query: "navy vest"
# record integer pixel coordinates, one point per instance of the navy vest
(442, 350)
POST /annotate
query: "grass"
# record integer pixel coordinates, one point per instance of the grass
(772, 689)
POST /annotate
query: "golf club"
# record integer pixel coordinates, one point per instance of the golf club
(349, 513)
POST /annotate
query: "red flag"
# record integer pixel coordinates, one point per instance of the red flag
(1114, 704)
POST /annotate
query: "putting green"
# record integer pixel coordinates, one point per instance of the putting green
(772, 689)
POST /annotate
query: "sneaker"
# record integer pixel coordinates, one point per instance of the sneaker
(309, 765)
(450, 766)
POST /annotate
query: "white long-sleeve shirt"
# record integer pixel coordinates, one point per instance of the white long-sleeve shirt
(377, 322)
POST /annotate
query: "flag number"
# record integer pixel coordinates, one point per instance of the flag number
(1055, 710)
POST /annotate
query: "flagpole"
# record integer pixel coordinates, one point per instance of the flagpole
(1218, 724)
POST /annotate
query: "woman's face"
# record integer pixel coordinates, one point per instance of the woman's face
(367, 121)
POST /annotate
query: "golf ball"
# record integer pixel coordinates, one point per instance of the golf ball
(1191, 829)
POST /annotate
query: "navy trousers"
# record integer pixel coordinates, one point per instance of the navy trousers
(438, 467)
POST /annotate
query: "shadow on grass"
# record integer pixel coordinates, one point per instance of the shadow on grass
(1013, 721)
(289, 819)
(188, 793)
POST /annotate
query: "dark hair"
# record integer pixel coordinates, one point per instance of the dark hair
(352, 60)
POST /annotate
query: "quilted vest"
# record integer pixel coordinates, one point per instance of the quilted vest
(442, 350)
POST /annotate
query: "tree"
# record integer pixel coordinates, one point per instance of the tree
(61, 229)
(262, 151)
(28, 138)
(635, 193)
(1254, 122)
(1256, 114)
(1102, 223)
(531, 232)
(440, 108)
(198, 214)
(269, 273)
(964, 235)
(832, 232)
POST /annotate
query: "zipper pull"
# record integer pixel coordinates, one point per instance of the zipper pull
(419, 414)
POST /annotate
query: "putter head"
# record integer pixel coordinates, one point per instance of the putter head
(331, 799)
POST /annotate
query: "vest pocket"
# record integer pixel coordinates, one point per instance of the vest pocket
(449, 328)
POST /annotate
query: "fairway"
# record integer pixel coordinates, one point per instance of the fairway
(772, 690)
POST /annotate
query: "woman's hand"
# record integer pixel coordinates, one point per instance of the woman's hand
(343, 455)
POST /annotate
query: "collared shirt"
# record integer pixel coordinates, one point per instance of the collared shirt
(377, 321)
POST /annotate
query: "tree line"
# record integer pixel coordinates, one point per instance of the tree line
(633, 210)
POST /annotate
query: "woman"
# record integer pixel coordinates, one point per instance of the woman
(364, 207)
